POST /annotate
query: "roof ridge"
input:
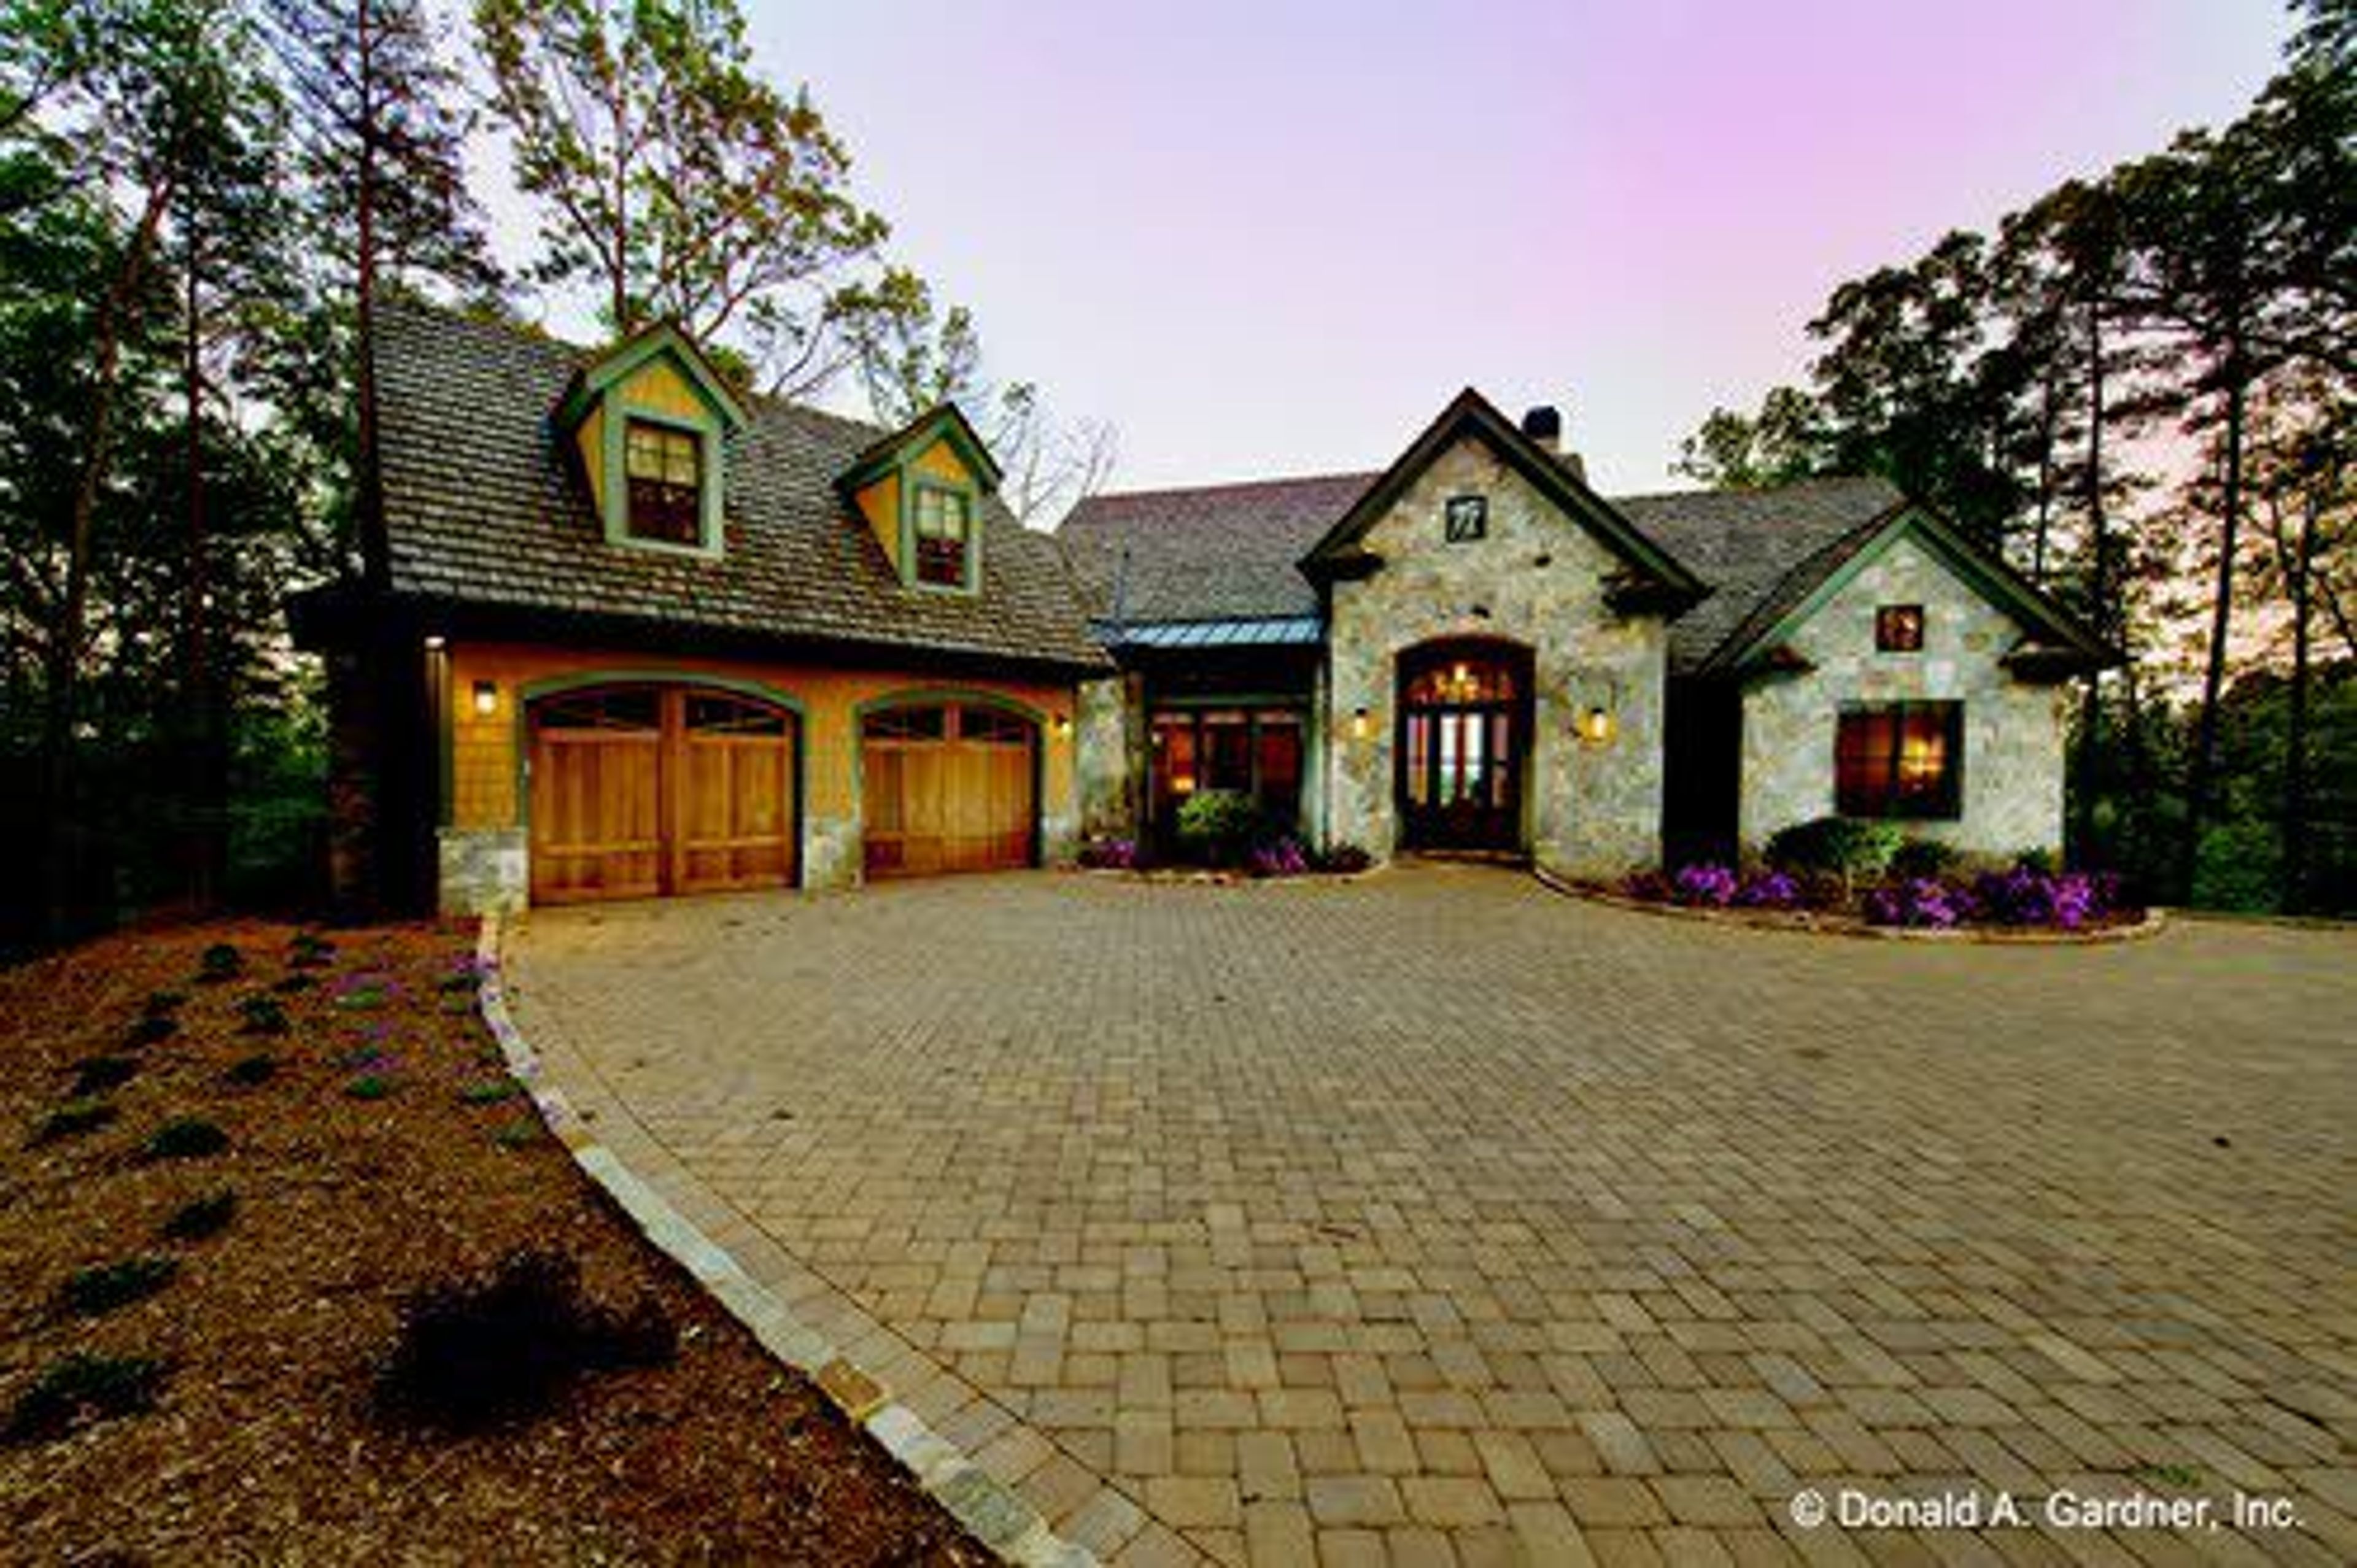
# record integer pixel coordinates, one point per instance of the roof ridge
(1813, 482)
(538, 335)
(1336, 476)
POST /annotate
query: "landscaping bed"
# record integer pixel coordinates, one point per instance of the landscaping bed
(230, 1161)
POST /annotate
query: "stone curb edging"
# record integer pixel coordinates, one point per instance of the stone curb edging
(993, 1511)
(2155, 921)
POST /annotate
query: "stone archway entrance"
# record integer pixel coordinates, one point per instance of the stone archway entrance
(1463, 747)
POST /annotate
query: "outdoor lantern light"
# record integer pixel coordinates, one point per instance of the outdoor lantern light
(435, 642)
(1596, 725)
(1063, 725)
(1358, 725)
(487, 697)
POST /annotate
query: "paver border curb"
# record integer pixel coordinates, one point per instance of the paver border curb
(994, 1512)
(2155, 921)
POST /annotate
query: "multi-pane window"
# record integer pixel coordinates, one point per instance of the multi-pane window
(944, 536)
(1899, 628)
(1901, 759)
(664, 469)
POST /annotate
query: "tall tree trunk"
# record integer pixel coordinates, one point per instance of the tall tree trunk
(368, 491)
(2295, 763)
(59, 715)
(2200, 772)
(206, 790)
(2108, 623)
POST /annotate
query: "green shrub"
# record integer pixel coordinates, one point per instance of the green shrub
(96, 1075)
(264, 1014)
(83, 1387)
(369, 1085)
(1848, 847)
(1217, 826)
(1927, 858)
(475, 1353)
(161, 1003)
(518, 1134)
(247, 1071)
(188, 1138)
(105, 1286)
(222, 961)
(309, 949)
(85, 1113)
(201, 1216)
(151, 1027)
(490, 1092)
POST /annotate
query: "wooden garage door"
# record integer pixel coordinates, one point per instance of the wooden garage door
(949, 787)
(637, 790)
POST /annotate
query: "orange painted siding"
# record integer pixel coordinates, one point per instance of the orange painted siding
(483, 761)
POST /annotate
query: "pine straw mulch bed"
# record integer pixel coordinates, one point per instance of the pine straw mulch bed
(265, 1439)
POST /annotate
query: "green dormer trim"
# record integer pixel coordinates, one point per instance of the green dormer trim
(942, 422)
(604, 388)
(591, 383)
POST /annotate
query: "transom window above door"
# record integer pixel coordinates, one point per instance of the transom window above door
(945, 529)
(1457, 681)
(664, 467)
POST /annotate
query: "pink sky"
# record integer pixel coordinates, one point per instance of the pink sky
(1275, 237)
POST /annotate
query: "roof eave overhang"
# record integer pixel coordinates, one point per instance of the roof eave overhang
(340, 618)
(943, 421)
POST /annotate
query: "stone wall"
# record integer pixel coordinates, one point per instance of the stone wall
(1536, 579)
(1105, 762)
(2014, 730)
(484, 870)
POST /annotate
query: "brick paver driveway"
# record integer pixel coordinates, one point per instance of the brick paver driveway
(1438, 1214)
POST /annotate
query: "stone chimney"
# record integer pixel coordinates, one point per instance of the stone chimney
(1543, 425)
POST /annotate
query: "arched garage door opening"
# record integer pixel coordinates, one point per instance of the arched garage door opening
(948, 786)
(645, 790)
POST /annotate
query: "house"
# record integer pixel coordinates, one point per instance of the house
(627, 632)
(1474, 651)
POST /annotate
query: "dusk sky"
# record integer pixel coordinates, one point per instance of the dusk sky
(1275, 237)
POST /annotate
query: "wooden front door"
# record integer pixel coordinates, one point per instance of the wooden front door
(638, 791)
(1464, 728)
(948, 787)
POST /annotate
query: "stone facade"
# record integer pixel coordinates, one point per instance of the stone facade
(2015, 731)
(1536, 579)
(484, 870)
(1107, 764)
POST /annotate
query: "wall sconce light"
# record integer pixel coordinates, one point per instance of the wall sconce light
(1361, 727)
(487, 697)
(1596, 725)
(435, 642)
(1062, 724)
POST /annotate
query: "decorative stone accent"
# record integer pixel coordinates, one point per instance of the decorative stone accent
(2015, 731)
(1059, 839)
(1536, 578)
(1104, 763)
(833, 853)
(484, 870)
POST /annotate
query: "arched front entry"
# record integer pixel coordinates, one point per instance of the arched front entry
(948, 782)
(645, 787)
(1463, 746)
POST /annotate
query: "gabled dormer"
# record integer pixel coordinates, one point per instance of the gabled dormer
(921, 489)
(649, 420)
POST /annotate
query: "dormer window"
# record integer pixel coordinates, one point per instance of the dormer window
(664, 467)
(648, 422)
(944, 536)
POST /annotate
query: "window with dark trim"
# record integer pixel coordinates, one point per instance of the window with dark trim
(1253, 751)
(1901, 759)
(1899, 628)
(663, 466)
(1468, 518)
(944, 536)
